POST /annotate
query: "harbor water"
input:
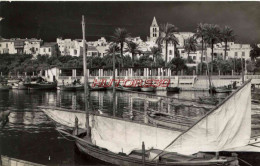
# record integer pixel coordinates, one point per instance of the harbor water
(30, 135)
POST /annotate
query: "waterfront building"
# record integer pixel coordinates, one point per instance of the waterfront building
(20, 46)
(234, 50)
(49, 49)
(65, 45)
(32, 46)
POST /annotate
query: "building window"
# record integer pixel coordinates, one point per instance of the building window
(75, 52)
(235, 54)
(44, 50)
(36, 49)
(6, 45)
(182, 51)
(243, 53)
(203, 58)
(49, 49)
(0, 45)
(194, 57)
(170, 52)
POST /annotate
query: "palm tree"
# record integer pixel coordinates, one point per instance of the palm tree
(167, 36)
(156, 52)
(190, 45)
(113, 48)
(212, 35)
(200, 33)
(227, 35)
(120, 37)
(132, 48)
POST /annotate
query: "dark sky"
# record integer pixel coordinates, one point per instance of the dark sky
(48, 20)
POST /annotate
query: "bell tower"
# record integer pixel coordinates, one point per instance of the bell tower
(154, 30)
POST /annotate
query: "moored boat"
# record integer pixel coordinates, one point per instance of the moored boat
(175, 122)
(148, 89)
(220, 90)
(173, 89)
(41, 85)
(19, 86)
(106, 144)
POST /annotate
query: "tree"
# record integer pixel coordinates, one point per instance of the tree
(108, 59)
(212, 35)
(255, 52)
(190, 45)
(156, 52)
(200, 33)
(133, 48)
(167, 36)
(177, 64)
(227, 35)
(120, 37)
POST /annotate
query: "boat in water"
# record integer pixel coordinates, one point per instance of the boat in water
(181, 123)
(41, 85)
(221, 89)
(173, 89)
(19, 86)
(108, 137)
(148, 89)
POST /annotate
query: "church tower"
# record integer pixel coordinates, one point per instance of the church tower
(154, 30)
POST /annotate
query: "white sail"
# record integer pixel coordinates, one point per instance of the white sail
(125, 136)
(225, 127)
(116, 135)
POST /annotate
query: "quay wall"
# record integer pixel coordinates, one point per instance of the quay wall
(184, 82)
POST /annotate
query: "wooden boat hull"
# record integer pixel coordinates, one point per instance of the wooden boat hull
(148, 89)
(124, 160)
(96, 88)
(173, 89)
(66, 88)
(19, 87)
(182, 126)
(40, 86)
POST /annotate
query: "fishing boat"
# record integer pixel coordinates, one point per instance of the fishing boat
(106, 131)
(41, 85)
(19, 86)
(66, 88)
(173, 89)
(176, 122)
(148, 89)
(96, 88)
(220, 90)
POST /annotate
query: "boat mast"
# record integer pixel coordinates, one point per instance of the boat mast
(86, 90)
(114, 88)
(242, 64)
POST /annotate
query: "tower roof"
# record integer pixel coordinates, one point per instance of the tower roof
(154, 23)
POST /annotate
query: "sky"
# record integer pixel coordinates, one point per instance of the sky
(49, 20)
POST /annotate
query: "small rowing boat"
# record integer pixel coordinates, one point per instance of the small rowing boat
(173, 89)
(41, 85)
(176, 122)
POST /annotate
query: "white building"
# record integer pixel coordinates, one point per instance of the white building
(65, 46)
(32, 46)
(20, 46)
(233, 50)
(49, 49)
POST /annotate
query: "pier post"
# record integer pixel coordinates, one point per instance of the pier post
(143, 152)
